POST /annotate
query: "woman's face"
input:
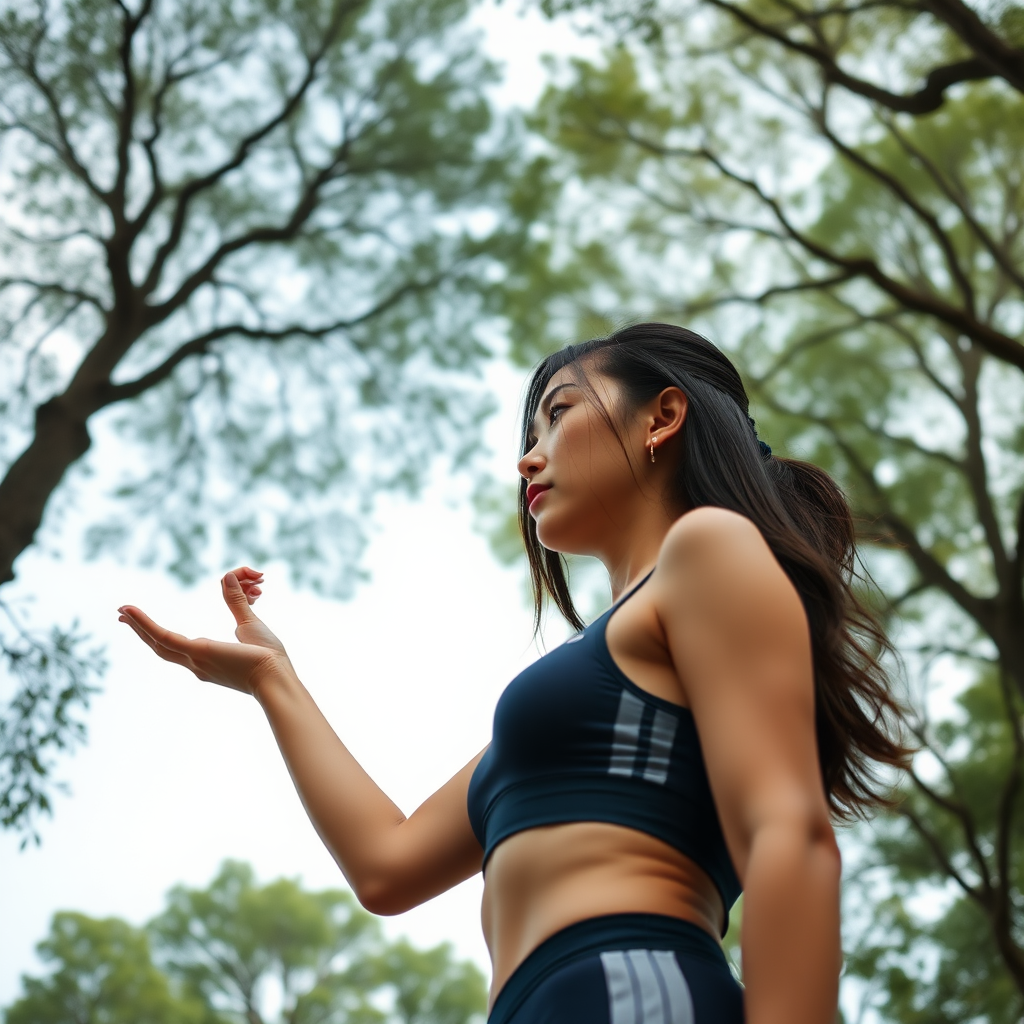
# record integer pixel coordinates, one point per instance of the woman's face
(582, 484)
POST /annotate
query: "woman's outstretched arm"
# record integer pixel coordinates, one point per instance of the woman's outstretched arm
(392, 862)
(741, 646)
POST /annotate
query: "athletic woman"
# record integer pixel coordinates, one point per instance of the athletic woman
(696, 739)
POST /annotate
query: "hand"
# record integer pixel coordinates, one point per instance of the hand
(241, 666)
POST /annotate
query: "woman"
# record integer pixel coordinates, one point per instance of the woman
(695, 739)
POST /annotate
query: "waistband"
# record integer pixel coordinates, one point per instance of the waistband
(597, 935)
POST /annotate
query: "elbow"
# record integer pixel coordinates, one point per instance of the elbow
(823, 840)
(823, 858)
(381, 896)
(799, 837)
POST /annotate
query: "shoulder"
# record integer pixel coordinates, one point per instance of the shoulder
(712, 538)
(715, 561)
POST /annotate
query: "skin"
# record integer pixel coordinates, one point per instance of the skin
(718, 628)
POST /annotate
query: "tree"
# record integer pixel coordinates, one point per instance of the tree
(862, 262)
(254, 241)
(102, 973)
(235, 950)
(840, 40)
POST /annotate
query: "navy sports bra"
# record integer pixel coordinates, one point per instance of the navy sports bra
(576, 740)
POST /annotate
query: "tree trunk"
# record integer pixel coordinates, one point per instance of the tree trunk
(61, 438)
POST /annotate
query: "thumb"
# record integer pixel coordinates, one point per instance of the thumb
(235, 599)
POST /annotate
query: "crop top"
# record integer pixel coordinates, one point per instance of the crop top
(576, 740)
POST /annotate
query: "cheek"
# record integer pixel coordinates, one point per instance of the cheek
(590, 472)
(592, 459)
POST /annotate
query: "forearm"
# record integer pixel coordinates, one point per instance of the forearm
(791, 942)
(355, 819)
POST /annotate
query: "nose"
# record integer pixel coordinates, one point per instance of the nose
(531, 464)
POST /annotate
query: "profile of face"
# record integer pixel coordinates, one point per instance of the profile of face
(587, 478)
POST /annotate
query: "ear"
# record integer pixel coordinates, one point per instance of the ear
(666, 414)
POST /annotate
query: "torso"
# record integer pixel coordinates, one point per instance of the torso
(541, 880)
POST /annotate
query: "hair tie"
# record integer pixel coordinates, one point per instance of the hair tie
(764, 447)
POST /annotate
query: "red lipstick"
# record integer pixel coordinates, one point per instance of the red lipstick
(534, 491)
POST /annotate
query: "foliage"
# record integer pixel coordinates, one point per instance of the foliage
(102, 974)
(859, 254)
(52, 678)
(941, 967)
(240, 952)
(254, 242)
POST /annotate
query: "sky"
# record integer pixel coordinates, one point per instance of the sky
(178, 775)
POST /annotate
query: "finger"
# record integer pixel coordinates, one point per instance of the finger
(252, 594)
(246, 575)
(236, 600)
(159, 649)
(164, 637)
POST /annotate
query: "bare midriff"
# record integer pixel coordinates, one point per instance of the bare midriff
(544, 879)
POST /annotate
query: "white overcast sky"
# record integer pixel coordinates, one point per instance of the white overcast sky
(178, 775)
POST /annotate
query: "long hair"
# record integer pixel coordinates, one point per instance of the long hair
(801, 513)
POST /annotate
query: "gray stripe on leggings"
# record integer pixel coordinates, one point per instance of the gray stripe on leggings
(652, 1005)
(622, 1008)
(626, 735)
(663, 732)
(646, 987)
(680, 1002)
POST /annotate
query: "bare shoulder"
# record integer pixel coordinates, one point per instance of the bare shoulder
(716, 562)
(710, 538)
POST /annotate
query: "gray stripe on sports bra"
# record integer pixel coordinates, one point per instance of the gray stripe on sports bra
(663, 732)
(626, 734)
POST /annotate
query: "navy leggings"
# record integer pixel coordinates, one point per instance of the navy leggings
(623, 969)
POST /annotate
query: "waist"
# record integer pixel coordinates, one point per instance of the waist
(543, 880)
(690, 827)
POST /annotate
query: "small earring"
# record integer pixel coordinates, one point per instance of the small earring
(652, 448)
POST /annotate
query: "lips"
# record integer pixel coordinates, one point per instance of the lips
(534, 490)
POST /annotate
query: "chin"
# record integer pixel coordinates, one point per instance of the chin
(561, 534)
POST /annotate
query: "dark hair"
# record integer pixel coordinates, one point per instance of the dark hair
(801, 513)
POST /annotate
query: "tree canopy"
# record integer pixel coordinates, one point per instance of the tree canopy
(253, 242)
(237, 951)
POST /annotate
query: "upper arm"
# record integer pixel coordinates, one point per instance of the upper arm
(740, 643)
(428, 853)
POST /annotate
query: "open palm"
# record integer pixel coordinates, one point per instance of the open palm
(240, 666)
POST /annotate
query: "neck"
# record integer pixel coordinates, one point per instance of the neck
(633, 552)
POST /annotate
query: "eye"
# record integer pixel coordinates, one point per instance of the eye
(554, 411)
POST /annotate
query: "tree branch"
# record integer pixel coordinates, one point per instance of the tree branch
(1008, 801)
(244, 147)
(963, 815)
(172, 78)
(925, 100)
(1004, 60)
(56, 288)
(900, 534)
(1000, 345)
(126, 113)
(997, 344)
(63, 147)
(201, 344)
(818, 284)
(946, 865)
(1015, 595)
(976, 468)
(899, 190)
(998, 252)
